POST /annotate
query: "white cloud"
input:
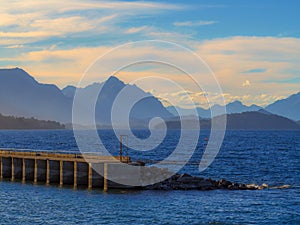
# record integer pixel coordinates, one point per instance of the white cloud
(134, 30)
(228, 58)
(194, 23)
(201, 100)
(15, 46)
(77, 5)
(246, 83)
(30, 21)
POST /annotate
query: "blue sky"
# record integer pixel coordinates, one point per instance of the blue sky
(252, 46)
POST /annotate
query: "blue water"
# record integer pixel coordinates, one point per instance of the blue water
(271, 157)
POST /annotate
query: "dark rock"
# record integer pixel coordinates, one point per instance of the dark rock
(224, 183)
(242, 187)
(188, 182)
(205, 185)
(233, 187)
(185, 178)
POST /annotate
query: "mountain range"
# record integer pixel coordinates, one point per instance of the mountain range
(289, 108)
(22, 96)
(233, 107)
(255, 120)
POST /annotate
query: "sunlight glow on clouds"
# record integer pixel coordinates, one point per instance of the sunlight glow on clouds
(70, 65)
(56, 41)
(246, 83)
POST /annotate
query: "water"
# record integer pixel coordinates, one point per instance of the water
(272, 157)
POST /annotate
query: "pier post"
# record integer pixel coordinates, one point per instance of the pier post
(23, 171)
(12, 169)
(1, 168)
(90, 176)
(105, 177)
(35, 171)
(61, 173)
(75, 174)
(47, 172)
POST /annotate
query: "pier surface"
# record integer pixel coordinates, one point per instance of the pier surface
(62, 168)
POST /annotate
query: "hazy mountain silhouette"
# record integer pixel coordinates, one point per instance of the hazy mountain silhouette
(233, 107)
(259, 120)
(239, 107)
(289, 107)
(21, 95)
(147, 108)
(176, 111)
(69, 91)
(264, 112)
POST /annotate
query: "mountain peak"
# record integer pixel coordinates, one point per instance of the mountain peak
(114, 80)
(15, 70)
(15, 74)
(236, 102)
(288, 107)
(69, 91)
(297, 95)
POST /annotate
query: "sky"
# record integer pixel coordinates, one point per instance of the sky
(252, 47)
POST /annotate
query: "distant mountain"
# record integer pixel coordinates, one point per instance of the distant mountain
(18, 123)
(147, 108)
(259, 121)
(21, 95)
(69, 91)
(239, 107)
(289, 107)
(176, 111)
(264, 112)
(233, 107)
(243, 121)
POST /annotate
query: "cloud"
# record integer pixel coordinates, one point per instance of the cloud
(15, 46)
(194, 23)
(77, 5)
(279, 57)
(33, 21)
(36, 34)
(246, 83)
(201, 100)
(151, 32)
(134, 30)
(58, 27)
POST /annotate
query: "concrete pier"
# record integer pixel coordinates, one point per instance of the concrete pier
(59, 168)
